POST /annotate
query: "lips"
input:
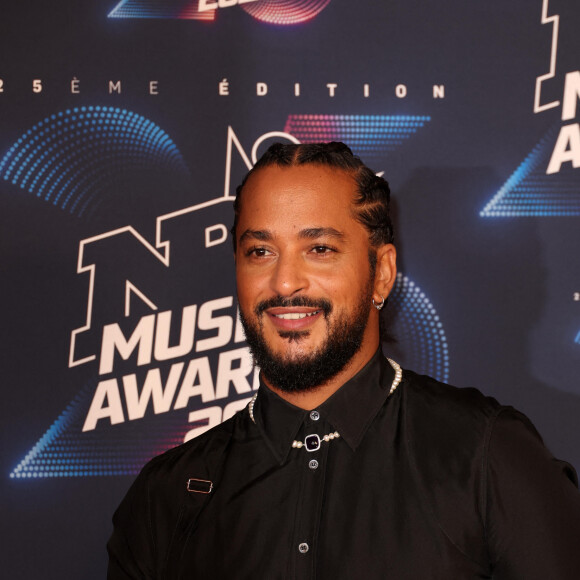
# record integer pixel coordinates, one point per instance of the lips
(296, 318)
(299, 304)
(296, 315)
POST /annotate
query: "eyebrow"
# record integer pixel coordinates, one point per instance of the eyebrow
(305, 234)
(314, 233)
(261, 235)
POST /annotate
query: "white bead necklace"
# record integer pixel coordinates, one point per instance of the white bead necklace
(312, 442)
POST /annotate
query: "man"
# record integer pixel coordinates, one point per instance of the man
(342, 465)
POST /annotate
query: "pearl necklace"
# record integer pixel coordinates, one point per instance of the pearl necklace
(312, 442)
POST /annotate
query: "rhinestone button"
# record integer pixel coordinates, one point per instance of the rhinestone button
(313, 464)
(314, 415)
(312, 442)
(303, 548)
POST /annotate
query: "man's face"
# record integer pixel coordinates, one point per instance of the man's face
(304, 277)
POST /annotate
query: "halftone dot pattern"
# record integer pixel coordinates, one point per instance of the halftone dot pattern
(529, 191)
(45, 457)
(366, 135)
(418, 330)
(174, 9)
(285, 12)
(73, 156)
(65, 451)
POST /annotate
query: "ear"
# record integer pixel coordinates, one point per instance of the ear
(386, 272)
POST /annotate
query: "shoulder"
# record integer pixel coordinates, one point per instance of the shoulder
(447, 430)
(445, 421)
(160, 489)
(517, 450)
(159, 508)
(196, 458)
(445, 408)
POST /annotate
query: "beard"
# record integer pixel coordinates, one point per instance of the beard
(306, 372)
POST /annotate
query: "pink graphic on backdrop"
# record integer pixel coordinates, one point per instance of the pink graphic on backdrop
(286, 12)
(313, 128)
(162, 9)
(280, 12)
(369, 135)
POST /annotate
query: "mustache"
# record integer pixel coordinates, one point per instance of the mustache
(281, 302)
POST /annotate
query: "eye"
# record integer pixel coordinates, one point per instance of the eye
(322, 249)
(258, 252)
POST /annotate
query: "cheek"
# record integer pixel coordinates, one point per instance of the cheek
(249, 290)
(345, 288)
(243, 286)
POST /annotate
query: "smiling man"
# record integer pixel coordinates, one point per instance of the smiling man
(343, 465)
(307, 276)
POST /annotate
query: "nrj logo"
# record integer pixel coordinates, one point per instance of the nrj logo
(161, 324)
(545, 184)
(280, 12)
(567, 147)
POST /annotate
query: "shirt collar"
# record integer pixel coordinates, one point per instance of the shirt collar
(350, 410)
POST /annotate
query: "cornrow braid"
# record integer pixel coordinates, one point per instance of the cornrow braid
(373, 194)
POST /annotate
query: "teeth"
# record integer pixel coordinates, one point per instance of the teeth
(296, 315)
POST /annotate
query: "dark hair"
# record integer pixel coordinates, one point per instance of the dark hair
(373, 194)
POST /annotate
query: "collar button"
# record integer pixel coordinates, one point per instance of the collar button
(314, 415)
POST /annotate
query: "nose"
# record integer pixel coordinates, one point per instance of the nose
(288, 276)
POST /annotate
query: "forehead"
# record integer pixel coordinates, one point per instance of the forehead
(294, 198)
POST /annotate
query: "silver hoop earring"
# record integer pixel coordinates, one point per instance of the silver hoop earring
(378, 306)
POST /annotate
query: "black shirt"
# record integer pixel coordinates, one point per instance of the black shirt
(430, 482)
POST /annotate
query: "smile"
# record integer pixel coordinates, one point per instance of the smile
(296, 315)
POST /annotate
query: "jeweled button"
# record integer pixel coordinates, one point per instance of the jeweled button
(303, 548)
(312, 442)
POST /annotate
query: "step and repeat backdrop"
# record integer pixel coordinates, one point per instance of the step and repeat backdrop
(124, 130)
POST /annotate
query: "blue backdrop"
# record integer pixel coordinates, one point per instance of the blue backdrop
(125, 128)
